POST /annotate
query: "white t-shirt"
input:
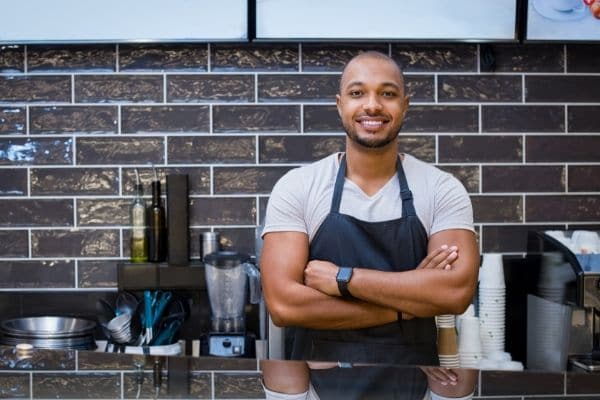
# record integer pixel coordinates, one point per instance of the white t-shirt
(301, 199)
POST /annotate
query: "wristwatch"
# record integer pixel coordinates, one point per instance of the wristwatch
(343, 278)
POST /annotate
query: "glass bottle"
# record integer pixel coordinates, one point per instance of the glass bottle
(139, 245)
(157, 251)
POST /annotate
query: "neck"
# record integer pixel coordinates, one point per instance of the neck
(371, 168)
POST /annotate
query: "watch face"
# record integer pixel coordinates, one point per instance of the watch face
(344, 274)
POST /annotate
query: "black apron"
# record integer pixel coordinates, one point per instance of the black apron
(395, 245)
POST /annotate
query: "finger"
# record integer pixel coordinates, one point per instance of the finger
(435, 257)
(441, 259)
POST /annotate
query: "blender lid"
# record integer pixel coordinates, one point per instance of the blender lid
(226, 259)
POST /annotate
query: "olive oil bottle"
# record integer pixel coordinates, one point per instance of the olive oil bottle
(139, 244)
(157, 232)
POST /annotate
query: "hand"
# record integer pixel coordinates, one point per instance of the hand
(441, 258)
(443, 376)
(321, 275)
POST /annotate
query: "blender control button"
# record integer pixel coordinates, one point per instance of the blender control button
(226, 343)
(237, 350)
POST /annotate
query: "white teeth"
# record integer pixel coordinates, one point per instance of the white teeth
(372, 123)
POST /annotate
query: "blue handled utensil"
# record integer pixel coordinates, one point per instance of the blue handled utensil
(148, 317)
(161, 304)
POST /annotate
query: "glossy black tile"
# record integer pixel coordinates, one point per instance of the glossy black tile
(522, 58)
(559, 208)
(12, 58)
(422, 147)
(530, 178)
(333, 57)
(425, 58)
(118, 88)
(41, 360)
(223, 211)
(523, 118)
(74, 181)
(36, 212)
(322, 119)
(130, 150)
(97, 274)
(246, 180)
(254, 57)
(15, 386)
(75, 243)
(238, 386)
(210, 88)
(211, 149)
(298, 149)
(562, 89)
(32, 89)
(69, 58)
(242, 240)
(284, 88)
(164, 57)
(479, 88)
(13, 182)
(443, 119)
(420, 88)
(13, 120)
(73, 119)
(199, 387)
(584, 178)
(14, 243)
(198, 179)
(562, 148)
(83, 385)
(467, 175)
(583, 118)
(509, 238)
(37, 274)
(101, 212)
(582, 58)
(497, 209)
(279, 118)
(36, 151)
(484, 149)
(136, 119)
(582, 383)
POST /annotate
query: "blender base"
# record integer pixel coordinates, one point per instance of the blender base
(227, 345)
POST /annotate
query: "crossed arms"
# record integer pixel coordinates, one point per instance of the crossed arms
(303, 293)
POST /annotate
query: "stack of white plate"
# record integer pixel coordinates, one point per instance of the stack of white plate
(492, 304)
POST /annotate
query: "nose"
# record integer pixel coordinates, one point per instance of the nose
(372, 105)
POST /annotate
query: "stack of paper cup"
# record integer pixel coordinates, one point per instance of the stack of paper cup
(447, 346)
(469, 342)
(554, 274)
(492, 301)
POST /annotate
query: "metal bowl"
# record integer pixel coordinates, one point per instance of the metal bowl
(47, 327)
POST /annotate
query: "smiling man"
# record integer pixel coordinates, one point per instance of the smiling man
(363, 248)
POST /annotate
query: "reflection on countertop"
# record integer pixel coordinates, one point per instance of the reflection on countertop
(72, 374)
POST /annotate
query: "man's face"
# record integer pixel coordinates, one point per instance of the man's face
(371, 102)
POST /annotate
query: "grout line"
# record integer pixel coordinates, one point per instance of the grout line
(208, 58)
(523, 91)
(27, 118)
(480, 117)
(119, 116)
(165, 150)
(300, 58)
(76, 277)
(389, 50)
(164, 88)
(73, 89)
(30, 252)
(117, 58)
(256, 88)
(25, 59)
(31, 385)
(211, 108)
(435, 89)
(301, 118)
(566, 118)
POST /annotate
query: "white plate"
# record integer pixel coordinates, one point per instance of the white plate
(543, 8)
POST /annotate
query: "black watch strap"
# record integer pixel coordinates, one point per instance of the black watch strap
(343, 278)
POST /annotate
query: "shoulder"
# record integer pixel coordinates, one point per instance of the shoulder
(306, 176)
(426, 173)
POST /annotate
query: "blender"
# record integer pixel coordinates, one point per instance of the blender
(229, 275)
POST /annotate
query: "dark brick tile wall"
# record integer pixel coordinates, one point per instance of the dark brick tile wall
(13, 120)
(516, 124)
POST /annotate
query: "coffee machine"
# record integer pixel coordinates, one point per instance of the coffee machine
(230, 278)
(563, 303)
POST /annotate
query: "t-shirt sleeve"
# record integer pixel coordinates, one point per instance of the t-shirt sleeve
(452, 206)
(285, 209)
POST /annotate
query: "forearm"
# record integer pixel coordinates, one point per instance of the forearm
(421, 292)
(306, 307)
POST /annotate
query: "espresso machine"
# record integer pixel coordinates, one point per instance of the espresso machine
(563, 303)
(230, 280)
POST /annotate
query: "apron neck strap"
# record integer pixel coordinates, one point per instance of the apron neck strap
(408, 207)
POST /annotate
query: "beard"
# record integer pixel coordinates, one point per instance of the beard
(371, 142)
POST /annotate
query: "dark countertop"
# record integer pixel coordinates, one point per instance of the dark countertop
(70, 374)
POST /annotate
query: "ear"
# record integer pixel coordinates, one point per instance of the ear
(338, 100)
(405, 103)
